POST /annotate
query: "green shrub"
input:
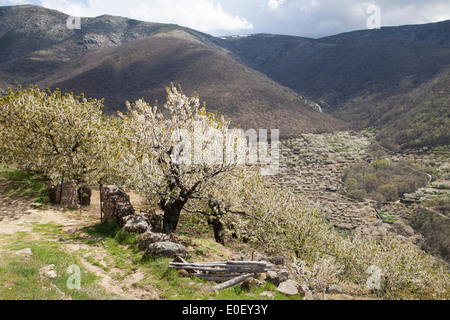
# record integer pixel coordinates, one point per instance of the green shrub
(436, 230)
(358, 194)
(381, 180)
(389, 191)
(24, 184)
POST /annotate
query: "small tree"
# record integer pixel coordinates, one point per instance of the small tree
(172, 156)
(229, 203)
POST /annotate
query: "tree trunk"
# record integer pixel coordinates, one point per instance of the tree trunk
(172, 210)
(218, 230)
(84, 195)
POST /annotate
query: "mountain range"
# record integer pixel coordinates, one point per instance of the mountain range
(396, 79)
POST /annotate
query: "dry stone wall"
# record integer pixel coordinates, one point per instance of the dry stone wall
(116, 204)
(313, 165)
(67, 196)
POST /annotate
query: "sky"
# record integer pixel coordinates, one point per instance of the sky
(307, 18)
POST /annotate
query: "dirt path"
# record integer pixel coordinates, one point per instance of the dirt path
(17, 215)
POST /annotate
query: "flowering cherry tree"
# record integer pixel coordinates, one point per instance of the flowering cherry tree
(171, 155)
(185, 158)
(56, 134)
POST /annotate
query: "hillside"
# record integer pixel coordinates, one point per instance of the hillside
(38, 235)
(121, 59)
(361, 76)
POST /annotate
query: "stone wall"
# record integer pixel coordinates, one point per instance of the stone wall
(116, 204)
(68, 196)
(313, 165)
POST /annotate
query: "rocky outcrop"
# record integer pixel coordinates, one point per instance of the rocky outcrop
(149, 237)
(135, 223)
(290, 288)
(276, 276)
(166, 249)
(116, 204)
(67, 195)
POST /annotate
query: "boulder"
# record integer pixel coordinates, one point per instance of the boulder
(149, 237)
(272, 277)
(290, 287)
(334, 288)
(166, 249)
(135, 223)
(276, 277)
(250, 283)
(26, 251)
(277, 260)
(48, 271)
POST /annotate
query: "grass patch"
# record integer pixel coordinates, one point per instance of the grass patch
(23, 184)
(20, 277)
(387, 217)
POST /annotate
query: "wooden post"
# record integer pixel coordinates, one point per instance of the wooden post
(101, 203)
(61, 190)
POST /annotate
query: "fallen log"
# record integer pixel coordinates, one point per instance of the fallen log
(233, 281)
(229, 273)
(217, 277)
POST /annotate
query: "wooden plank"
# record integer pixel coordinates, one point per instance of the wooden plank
(228, 262)
(180, 264)
(227, 269)
(217, 277)
(219, 264)
(233, 282)
(257, 263)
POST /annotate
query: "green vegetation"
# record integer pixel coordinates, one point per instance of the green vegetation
(382, 180)
(432, 219)
(387, 217)
(245, 202)
(426, 125)
(23, 184)
(20, 273)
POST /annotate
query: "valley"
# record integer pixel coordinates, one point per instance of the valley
(314, 165)
(364, 122)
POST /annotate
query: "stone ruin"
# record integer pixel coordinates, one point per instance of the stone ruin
(69, 195)
(66, 195)
(116, 205)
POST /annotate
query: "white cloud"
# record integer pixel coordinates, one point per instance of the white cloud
(309, 18)
(275, 4)
(202, 15)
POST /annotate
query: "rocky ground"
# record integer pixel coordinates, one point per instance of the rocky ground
(24, 215)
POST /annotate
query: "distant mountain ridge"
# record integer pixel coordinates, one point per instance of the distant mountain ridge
(123, 59)
(366, 78)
